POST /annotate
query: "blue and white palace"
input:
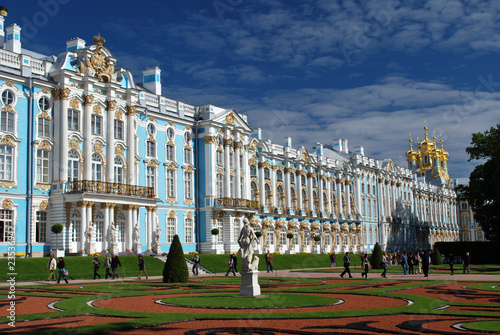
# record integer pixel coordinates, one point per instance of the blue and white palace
(124, 168)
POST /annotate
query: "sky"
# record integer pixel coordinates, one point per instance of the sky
(371, 72)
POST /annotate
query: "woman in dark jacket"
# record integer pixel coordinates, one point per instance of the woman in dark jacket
(62, 270)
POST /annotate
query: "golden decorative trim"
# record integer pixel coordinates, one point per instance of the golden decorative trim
(152, 163)
(9, 83)
(172, 166)
(88, 99)
(190, 215)
(220, 170)
(131, 110)
(305, 156)
(44, 205)
(210, 139)
(74, 144)
(253, 161)
(45, 145)
(7, 203)
(42, 187)
(172, 214)
(189, 169)
(171, 200)
(151, 138)
(152, 119)
(97, 110)
(45, 115)
(237, 145)
(227, 142)
(172, 124)
(230, 118)
(74, 103)
(9, 108)
(189, 202)
(246, 146)
(7, 184)
(119, 150)
(188, 128)
(118, 115)
(98, 148)
(110, 105)
(64, 93)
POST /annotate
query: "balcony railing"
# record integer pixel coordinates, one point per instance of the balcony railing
(241, 203)
(80, 186)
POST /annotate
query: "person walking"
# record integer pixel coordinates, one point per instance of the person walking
(347, 264)
(142, 267)
(269, 261)
(107, 265)
(411, 264)
(115, 262)
(385, 262)
(366, 264)
(231, 265)
(404, 262)
(51, 266)
(62, 270)
(466, 261)
(332, 259)
(96, 262)
(196, 264)
(451, 261)
(418, 263)
(425, 263)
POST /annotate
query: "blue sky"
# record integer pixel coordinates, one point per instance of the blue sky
(367, 71)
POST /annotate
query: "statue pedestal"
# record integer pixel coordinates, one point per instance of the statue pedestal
(137, 249)
(157, 249)
(113, 249)
(89, 248)
(249, 284)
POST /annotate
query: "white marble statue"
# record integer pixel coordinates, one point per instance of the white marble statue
(137, 234)
(245, 239)
(112, 233)
(89, 232)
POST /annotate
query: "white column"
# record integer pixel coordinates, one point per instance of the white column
(83, 224)
(227, 168)
(338, 188)
(262, 182)
(131, 146)
(348, 196)
(329, 195)
(110, 141)
(310, 192)
(57, 135)
(149, 225)
(320, 194)
(87, 136)
(288, 189)
(63, 155)
(129, 228)
(237, 167)
(105, 234)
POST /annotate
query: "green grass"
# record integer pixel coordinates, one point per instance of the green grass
(232, 300)
(33, 269)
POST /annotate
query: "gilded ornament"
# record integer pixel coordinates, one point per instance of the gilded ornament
(119, 150)
(230, 118)
(88, 99)
(190, 215)
(56, 95)
(74, 143)
(227, 142)
(8, 140)
(131, 110)
(98, 148)
(102, 66)
(45, 145)
(65, 93)
(74, 103)
(209, 139)
(110, 105)
(9, 83)
(7, 204)
(118, 115)
(152, 163)
(97, 110)
(43, 205)
(172, 214)
(237, 145)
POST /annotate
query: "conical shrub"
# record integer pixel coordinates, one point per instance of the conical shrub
(175, 270)
(436, 258)
(376, 259)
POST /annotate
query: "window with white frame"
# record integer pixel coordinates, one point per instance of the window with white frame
(44, 104)
(6, 224)
(6, 161)
(279, 175)
(170, 133)
(292, 178)
(150, 149)
(42, 166)
(270, 236)
(267, 173)
(96, 167)
(219, 158)
(328, 238)
(8, 98)
(73, 165)
(307, 236)
(268, 195)
(170, 229)
(296, 236)
(170, 152)
(118, 129)
(120, 227)
(253, 171)
(7, 121)
(283, 236)
(99, 223)
(118, 162)
(231, 186)
(188, 156)
(188, 185)
(188, 230)
(231, 160)
(242, 159)
(280, 197)
(41, 227)
(151, 129)
(255, 190)
(150, 176)
(219, 185)
(73, 119)
(96, 124)
(236, 229)
(242, 187)
(76, 227)
(220, 225)
(44, 127)
(170, 183)
(187, 138)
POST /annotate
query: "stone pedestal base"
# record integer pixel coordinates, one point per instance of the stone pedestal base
(137, 249)
(89, 248)
(249, 284)
(157, 250)
(113, 249)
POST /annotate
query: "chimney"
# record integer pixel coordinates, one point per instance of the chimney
(359, 150)
(258, 134)
(337, 145)
(13, 38)
(288, 142)
(75, 43)
(345, 147)
(152, 79)
(2, 32)
(319, 148)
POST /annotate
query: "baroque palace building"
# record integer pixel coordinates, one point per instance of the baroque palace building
(124, 169)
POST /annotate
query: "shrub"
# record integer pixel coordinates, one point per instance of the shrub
(175, 270)
(317, 238)
(436, 258)
(289, 236)
(258, 234)
(215, 231)
(376, 259)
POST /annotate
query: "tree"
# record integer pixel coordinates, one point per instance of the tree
(483, 191)
(376, 259)
(175, 270)
(436, 258)
(57, 229)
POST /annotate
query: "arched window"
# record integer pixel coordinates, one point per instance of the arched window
(279, 175)
(118, 170)
(253, 171)
(73, 165)
(303, 180)
(280, 197)
(292, 178)
(255, 190)
(267, 173)
(304, 199)
(96, 167)
(268, 195)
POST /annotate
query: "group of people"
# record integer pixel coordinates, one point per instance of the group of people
(52, 265)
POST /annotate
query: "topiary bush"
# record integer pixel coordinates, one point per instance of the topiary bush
(436, 258)
(175, 270)
(376, 259)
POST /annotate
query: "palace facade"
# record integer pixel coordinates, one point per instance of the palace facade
(123, 169)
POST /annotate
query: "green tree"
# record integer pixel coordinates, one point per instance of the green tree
(376, 258)
(57, 229)
(175, 270)
(436, 258)
(483, 191)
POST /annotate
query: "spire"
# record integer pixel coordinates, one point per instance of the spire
(425, 130)
(441, 141)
